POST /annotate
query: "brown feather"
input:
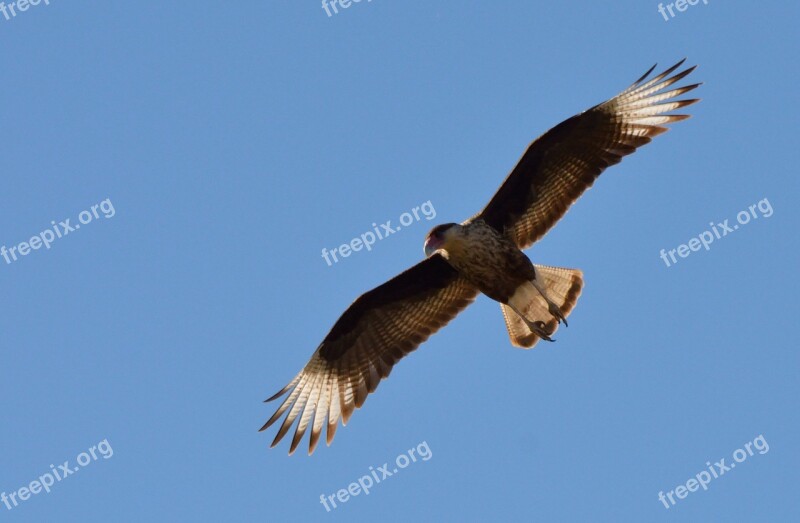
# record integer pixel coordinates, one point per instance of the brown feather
(378, 329)
(561, 164)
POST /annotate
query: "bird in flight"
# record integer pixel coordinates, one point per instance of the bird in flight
(480, 255)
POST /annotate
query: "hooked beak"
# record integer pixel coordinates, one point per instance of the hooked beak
(431, 246)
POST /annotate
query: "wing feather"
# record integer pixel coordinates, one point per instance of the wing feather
(334, 410)
(309, 407)
(561, 164)
(373, 334)
(323, 404)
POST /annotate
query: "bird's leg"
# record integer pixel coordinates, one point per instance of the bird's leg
(536, 327)
(551, 306)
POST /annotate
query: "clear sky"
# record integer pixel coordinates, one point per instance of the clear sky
(217, 148)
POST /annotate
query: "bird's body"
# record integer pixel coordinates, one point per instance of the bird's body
(487, 259)
(533, 301)
(481, 255)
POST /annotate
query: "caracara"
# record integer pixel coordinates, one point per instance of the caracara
(481, 255)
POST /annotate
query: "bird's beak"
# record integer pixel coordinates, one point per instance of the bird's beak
(431, 245)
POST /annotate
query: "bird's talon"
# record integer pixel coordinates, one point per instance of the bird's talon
(557, 314)
(538, 328)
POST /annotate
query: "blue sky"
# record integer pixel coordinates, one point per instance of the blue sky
(235, 141)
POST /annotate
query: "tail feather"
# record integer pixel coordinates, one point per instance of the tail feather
(562, 286)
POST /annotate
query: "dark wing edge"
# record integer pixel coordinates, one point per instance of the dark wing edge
(565, 161)
(373, 334)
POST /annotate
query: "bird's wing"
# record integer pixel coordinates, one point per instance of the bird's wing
(562, 163)
(375, 332)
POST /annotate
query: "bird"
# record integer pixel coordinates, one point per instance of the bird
(481, 255)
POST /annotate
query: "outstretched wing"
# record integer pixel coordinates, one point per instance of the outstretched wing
(375, 332)
(565, 161)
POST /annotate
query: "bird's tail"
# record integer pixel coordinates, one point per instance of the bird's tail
(561, 286)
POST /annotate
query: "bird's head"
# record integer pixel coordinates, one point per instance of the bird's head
(439, 237)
